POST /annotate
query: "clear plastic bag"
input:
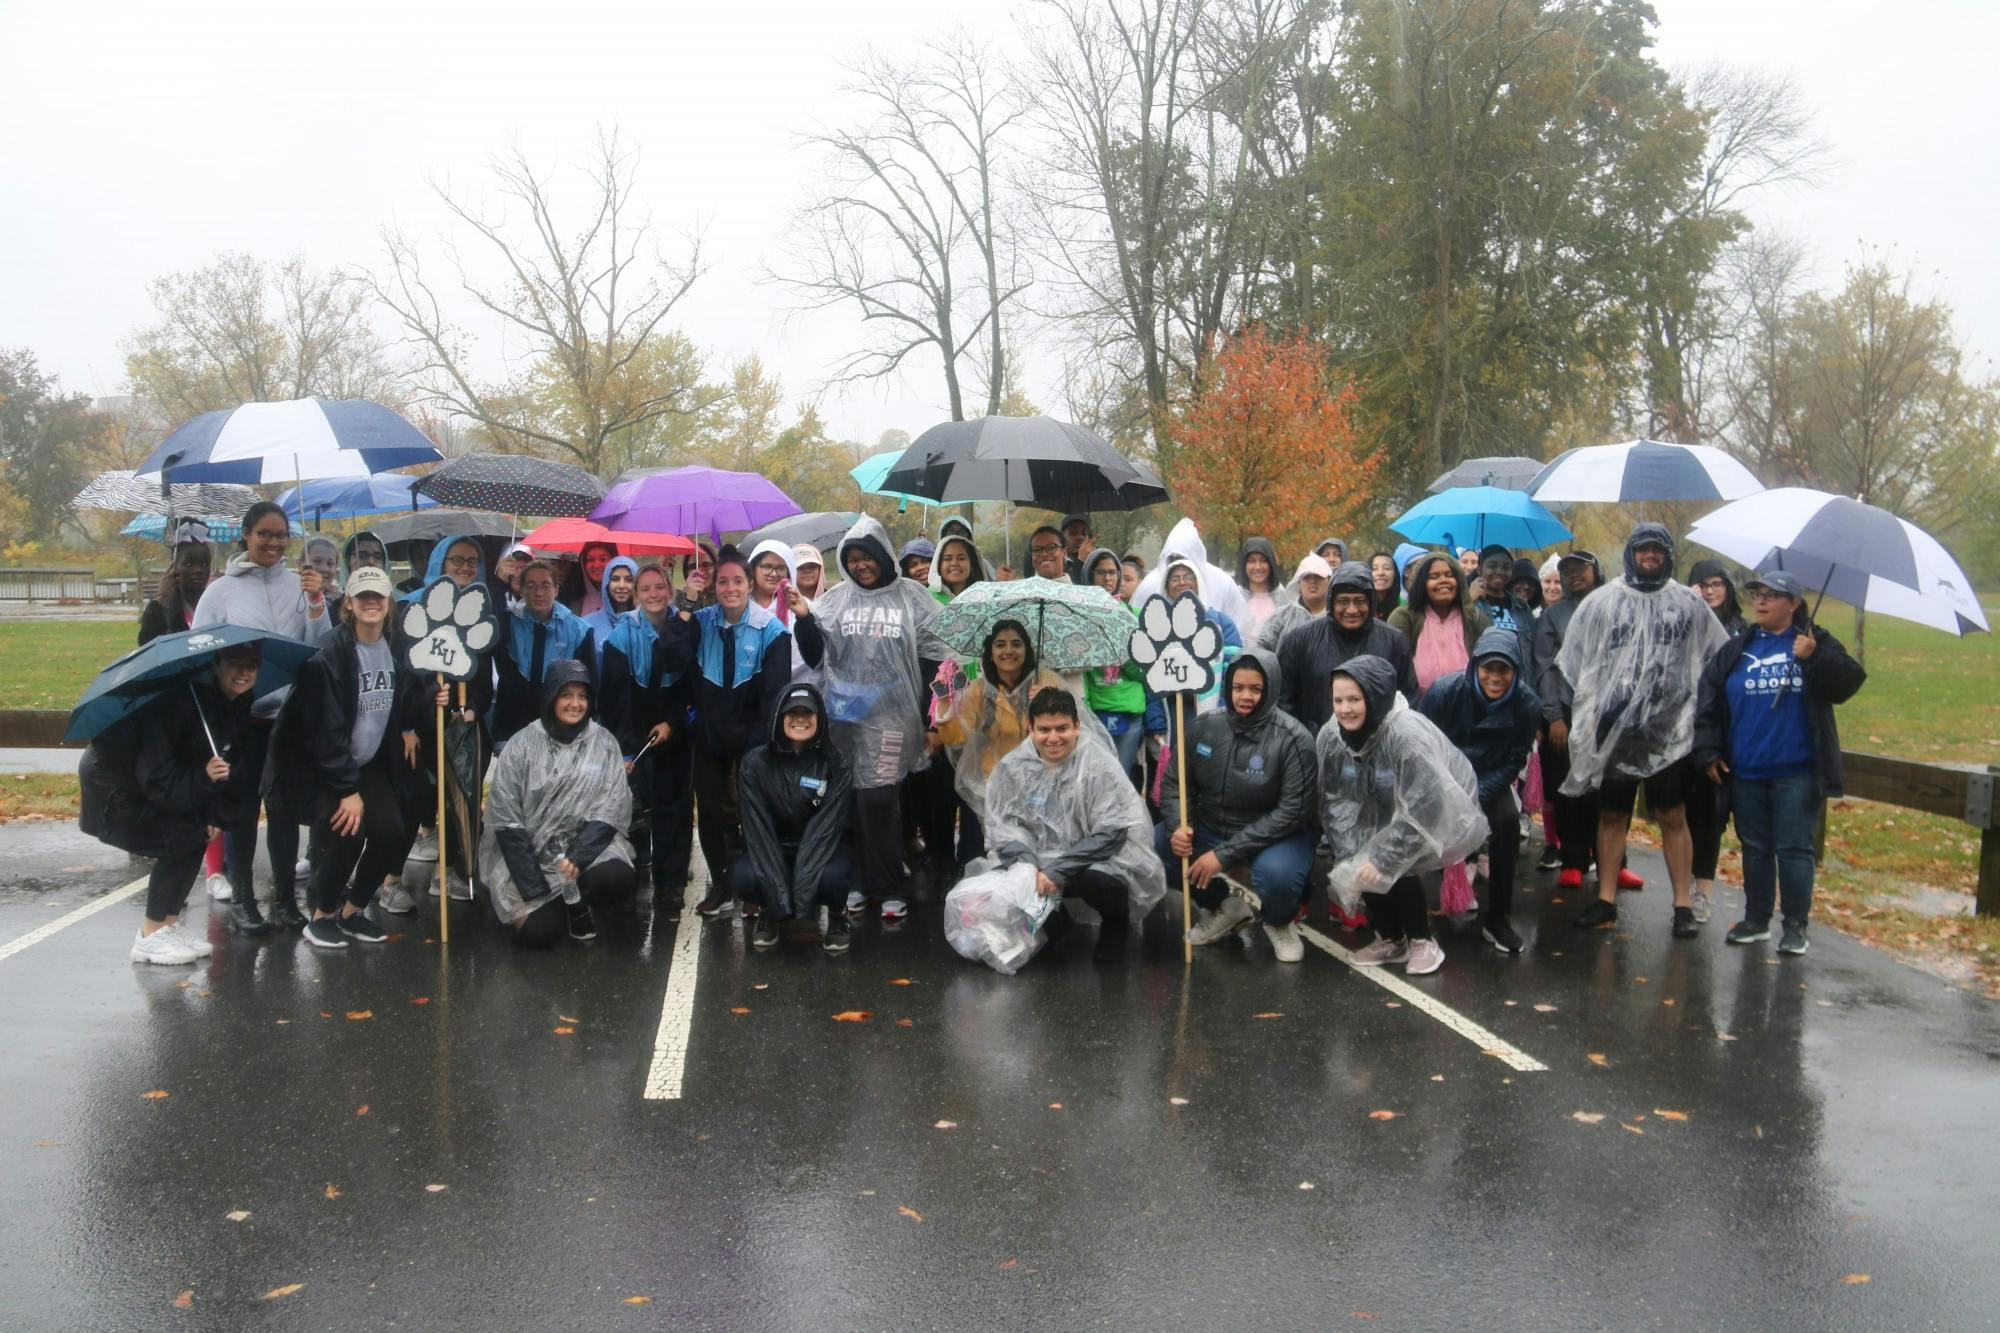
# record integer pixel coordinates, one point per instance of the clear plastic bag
(995, 917)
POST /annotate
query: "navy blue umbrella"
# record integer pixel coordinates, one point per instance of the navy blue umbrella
(150, 670)
(277, 442)
(353, 497)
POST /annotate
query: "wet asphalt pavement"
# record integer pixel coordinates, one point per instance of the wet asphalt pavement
(413, 1140)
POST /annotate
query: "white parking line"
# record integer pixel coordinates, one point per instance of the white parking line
(663, 1079)
(1506, 1052)
(70, 918)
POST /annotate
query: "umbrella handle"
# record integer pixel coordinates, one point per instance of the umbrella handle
(204, 722)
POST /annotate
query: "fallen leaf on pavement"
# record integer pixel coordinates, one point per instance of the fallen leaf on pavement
(1597, 1058)
(1305, 1184)
(1669, 1003)
(567, 1019)
(909, 1212)
(1177, 1101)
(1360, 1314)
(1638, 981)
(332, 1190)
(1724, 1036)
(436, 1189)
(184, 1300)
(945, 1124)
(762, 985)
(900, 981)
(1510, 1003)
(1856, 1279)
(1587, 1117)
(361, 1109)
(1437, 1078)
(1634, 1129)
(1392, 1004)
(276, 1293)
(154, 1095)
(563, 1032)
(324, 1014)
(1758, 1130)
(1545, 1008)
(739, 1009)
(853, 1016)
(238, 1215)
(1006, 1264)
(1055, 1106)
(1383, 1115)
(1268, 1014)
(282, 1021)
(359, 1015)
(1670, 1115)
(638, 1300)
(906, 1022)
(420, 999)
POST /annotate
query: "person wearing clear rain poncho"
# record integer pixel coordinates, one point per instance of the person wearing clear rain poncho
(1397, 800)
(1219, 591)
(870, 634)
(1632, 657)
(1061, 804)
(556, 815)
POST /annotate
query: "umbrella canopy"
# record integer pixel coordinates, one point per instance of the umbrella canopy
(692, 500)
(1508, 472)
(1075, 626)
(154, 527)
(514, 484)
(123, 492)
(1476, 515)
(436, 524)
(871, 475)
(573, 534)
(1865, 556)
(352, 497)
(1643, 470)
(142, 675)
(279, 442)
(819, 528)
(1034, 461)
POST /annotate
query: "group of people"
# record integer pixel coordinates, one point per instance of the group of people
(1377, 729)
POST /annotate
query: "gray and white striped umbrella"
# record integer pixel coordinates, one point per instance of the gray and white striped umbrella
(124, 493)
(1643, 470)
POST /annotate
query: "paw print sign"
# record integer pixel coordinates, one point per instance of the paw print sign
(1177, 644)
(450, 630)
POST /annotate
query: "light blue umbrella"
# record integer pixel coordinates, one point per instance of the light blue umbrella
(870, 473)
(1477, 516)
(154, 528)
(352, 497)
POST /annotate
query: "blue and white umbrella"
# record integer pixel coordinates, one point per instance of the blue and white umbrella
(353, 497)
(1477, 515)
(1865, 556)
(1640, 470)
(291, 441)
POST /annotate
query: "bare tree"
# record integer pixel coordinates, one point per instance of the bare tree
(590, 293)
(911, 230)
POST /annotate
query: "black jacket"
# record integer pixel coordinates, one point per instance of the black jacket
(144, 783)
(796, 807)
(1831, 676)
(1253, 778)
(1550, 627)
(1309, 654)
(1526, 663)
(629, 707)
(311, 765)
(1493, 734)
(518, 701)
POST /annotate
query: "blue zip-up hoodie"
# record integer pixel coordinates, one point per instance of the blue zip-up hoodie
(604, 620)
(1494, 734)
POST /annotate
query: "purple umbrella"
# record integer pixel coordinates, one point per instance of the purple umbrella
(692, 501)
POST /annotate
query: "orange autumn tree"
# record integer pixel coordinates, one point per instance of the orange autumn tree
(1267, 446)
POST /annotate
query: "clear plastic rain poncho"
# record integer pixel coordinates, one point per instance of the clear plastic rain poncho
(995, 917)
(552, 790)
(1632, 658)
(872, 679)
(1407, 802)
(1076, 804)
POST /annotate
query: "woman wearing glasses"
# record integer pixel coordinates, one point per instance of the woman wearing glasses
(256, 591)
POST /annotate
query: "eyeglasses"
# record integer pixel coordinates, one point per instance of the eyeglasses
(1044, 549)
(270, 535)
(461, 562)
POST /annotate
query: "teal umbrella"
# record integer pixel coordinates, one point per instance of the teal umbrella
(870, 473)
(1076, 626)
(170, 661)
(1477, 515)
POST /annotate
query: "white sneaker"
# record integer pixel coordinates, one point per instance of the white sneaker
(395, 898)
(461, 888)
(163, 946)
(1285, 942)
(857, 902)
(894, 910)
(1703, 903)
(193, 940)
(302, 870)
(1426, 956)
(426, 846)
(1381, 952)
(1224, 921)
(219, 889)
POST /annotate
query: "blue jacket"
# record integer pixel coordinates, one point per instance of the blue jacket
(1494, 734)
(732, 711)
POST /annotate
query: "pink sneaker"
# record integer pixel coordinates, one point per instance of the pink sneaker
(1380, 952)
(1425, 957)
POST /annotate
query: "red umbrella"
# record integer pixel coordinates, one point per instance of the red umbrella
(573, 534)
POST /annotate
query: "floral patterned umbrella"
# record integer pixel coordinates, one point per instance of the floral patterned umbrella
(1076, 627)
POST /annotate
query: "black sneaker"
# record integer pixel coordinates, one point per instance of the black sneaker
(835, 939)
(1600, 915)
(717, 902)
(765, 934)
(1550, 859)
(322, 933)
(1685, 926)
(1502, 937)
(1749, 932)
(582, 925)
(1793, 940)
(361, 930)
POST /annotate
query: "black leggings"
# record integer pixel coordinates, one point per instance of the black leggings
(374, 851)
(607, 880)
(670, 815)
(1575, 816)
(878, 841)
(1403, 913)
(281, 833)
(720, 822)
(1503, 854)
(1110, 897)
(167, 887)
(1707, 816)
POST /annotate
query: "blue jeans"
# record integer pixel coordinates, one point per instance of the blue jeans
(1775, 821)
(1127, 741)
(1278, 873)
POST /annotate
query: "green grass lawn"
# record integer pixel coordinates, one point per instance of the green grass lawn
(50, 661)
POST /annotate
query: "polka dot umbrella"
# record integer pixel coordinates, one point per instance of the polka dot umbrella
(513, 484)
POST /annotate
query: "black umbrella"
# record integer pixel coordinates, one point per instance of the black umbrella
(432, 525)
(1033, 461)
(822, 528)
(514, 484)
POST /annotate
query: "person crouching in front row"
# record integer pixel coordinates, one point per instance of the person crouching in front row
(797, 798)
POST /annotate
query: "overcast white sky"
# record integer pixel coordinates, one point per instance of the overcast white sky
(145, 137)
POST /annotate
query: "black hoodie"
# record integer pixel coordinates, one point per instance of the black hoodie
(1649, 534)
(796, 807)
(1730, 613)
(1309, 654)
(1258, 546)
(144, 782)
(1253, 778)
(312, 759)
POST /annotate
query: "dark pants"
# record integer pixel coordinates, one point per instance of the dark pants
(1503, 854)
(372, 852)
(1776, 819)
(1575, 816)
(607, 881)
(669, 802)
(942, 807)
(281, 833)
(1109, 896)
(878, 842)
(167, 887)
(1403, 913)
(1707, 817)
(1278, 873)
(833, 885)
(721, 823)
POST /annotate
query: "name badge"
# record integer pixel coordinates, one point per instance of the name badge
(814, 785)
(1203, 749)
